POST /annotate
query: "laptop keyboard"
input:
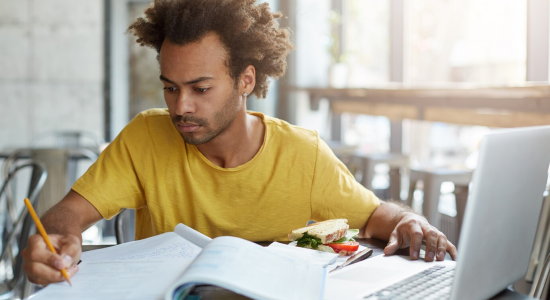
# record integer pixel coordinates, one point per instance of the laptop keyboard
(432, 283)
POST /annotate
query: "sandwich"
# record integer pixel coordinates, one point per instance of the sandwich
(332, 236)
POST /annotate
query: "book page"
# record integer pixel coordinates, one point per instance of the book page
(253, 271)
(164, 246)
(117, 280)
(321, 258)
(192, 235)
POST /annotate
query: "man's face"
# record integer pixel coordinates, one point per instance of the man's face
(200, 94)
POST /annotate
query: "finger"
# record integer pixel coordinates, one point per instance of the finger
(70, 250)
(47, 275)
(72, 270)
(42, 274)
(430, 235)
(405, 241)
(35, 241)
(393, 244)
(41, 255)
(416, 236)
(441, 247)
(55, 240)
(38, 252)
(452, 250)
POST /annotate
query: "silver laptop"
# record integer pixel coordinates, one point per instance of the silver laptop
(497, 234)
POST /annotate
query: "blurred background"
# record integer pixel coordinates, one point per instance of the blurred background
(68, 65)
(398, 88)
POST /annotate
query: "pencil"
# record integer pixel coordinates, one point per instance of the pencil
(44, 234)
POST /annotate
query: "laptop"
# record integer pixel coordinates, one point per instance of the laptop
(497, 235)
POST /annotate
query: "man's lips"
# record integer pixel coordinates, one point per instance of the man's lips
(188, 127)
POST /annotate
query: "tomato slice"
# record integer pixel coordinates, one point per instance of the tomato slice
(348, 246)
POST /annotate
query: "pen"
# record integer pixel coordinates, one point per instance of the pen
(44, 234)
(357, 257)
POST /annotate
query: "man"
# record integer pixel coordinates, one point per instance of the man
(209, 163)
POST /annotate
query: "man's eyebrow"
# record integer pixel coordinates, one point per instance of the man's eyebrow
(188, 82)
(166, 79)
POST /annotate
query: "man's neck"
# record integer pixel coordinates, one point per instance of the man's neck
(238, 144)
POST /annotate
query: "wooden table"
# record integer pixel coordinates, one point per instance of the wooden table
(506, 106)
(467, 104)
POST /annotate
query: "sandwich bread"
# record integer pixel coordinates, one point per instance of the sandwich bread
(328, 231)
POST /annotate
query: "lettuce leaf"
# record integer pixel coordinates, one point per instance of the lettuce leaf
(309, 241)
(349, 236)
(325, 248)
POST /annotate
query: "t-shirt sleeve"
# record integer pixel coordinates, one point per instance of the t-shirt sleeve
(112, 182)
(336, 194)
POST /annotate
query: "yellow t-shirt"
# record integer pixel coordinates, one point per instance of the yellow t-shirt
(293, 178)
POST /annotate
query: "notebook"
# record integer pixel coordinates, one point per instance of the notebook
(497, 234)
(168, 266)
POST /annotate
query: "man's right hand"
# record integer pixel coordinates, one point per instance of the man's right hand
(43, 266)
(68, 218)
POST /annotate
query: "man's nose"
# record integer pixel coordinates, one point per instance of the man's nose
(184, 104)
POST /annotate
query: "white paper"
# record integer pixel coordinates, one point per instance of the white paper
(338, 260)
(164, 246)
(361, 279)
(117, 280)
(313, 256)
(254, 271)
(192, 235)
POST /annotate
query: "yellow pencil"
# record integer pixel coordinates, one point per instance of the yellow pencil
(44, 234)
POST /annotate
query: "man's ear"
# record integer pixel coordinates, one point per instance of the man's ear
(247, 80)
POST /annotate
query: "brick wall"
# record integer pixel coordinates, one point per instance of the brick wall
(51, 68)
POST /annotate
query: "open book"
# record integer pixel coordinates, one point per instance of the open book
(170, 264)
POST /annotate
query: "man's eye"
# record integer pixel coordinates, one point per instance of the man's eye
(201, 90)
(170, 89)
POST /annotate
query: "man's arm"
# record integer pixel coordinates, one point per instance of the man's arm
(64, 223)
(72, 215)
(403, 228)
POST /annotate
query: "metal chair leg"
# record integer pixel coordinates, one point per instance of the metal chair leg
(119, 221)
(410, 197)
(536, 292)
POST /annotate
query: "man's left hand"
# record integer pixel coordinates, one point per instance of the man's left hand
(411, 230)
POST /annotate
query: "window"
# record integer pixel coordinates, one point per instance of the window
(365, 41)
(358, 43)
(364, 58)
(465, 41)
(145, 87)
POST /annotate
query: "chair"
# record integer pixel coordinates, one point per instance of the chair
(9, 164)
(397, 162)
(123, 228)
(61, 151)
(61, 164)
(66, 139)
(345, 154)
(432, 178)
(362, 166)
(536, 278)
(18, 229)
(540, 285)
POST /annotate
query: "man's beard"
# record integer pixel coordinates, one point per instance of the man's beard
(223, 118)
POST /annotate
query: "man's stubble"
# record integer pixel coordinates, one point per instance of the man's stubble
(223, 119)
